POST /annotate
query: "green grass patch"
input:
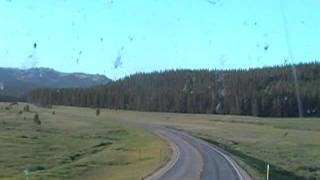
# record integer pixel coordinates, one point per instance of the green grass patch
(74, 143)
(290, 145)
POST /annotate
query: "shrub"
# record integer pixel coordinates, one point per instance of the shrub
(26, 108)
(36, 119)
(98, 111)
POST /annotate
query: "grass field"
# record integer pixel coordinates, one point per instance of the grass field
(74, 143)
(290, 145)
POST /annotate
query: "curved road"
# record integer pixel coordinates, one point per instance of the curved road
(193, 158)
(186, 161)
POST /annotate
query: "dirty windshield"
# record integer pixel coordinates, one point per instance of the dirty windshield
(159, 89)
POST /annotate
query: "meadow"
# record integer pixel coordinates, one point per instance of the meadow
(74, 143)
(290, 145)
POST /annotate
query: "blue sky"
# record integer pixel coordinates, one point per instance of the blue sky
(121, 37)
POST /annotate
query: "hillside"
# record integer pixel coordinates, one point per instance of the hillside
(266, 91)
(15, 83)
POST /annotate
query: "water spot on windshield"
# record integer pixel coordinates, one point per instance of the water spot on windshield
(110, 3)
(131, 38)
(223, 60)
(31, 61)
(78, 58)
(214, 2)
(1, 86)
(308, 111)
(118, 61)
(259, 58)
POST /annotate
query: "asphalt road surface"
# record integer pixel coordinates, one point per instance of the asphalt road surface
(193, 158)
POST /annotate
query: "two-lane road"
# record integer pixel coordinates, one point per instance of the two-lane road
(186, 163)
(193, 158)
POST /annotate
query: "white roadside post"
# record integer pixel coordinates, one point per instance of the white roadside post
(26, 173)
(268, 170)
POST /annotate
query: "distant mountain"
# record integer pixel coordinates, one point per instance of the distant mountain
(18, 82)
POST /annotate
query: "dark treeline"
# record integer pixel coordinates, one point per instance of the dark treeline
(260, 92)
(11, 99)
